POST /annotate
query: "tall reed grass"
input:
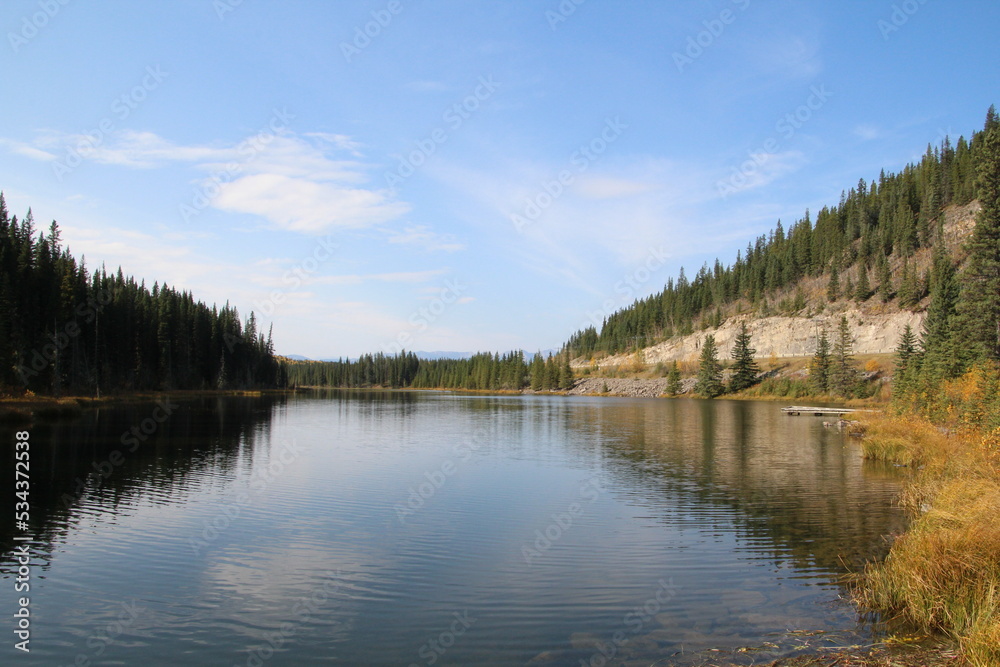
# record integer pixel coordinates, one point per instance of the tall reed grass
(943, 574)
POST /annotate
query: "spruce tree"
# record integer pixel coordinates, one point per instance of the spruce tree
(799, 303)
(674, 379)
(979, 307)
(905, 353)
(819, 367)
(537, 372)
(909, 291)
(709, 370)
(833, 287)
(885, 288)
(745, 368)
(863, 289)
(551, 374)
(940, 358)
(843, 375)
(565, 373)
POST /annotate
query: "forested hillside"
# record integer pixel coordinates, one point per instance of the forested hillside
(64, 329)
(863, 247)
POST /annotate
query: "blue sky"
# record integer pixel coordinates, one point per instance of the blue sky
(460, 175)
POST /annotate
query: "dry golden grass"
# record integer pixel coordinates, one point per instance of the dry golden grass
(943, 574)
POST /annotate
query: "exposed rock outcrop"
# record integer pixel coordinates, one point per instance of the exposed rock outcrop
(781, 337)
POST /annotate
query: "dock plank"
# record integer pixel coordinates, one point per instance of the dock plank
(793, 410)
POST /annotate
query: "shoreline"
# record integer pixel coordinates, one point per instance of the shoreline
(618, 388)
(27, 408)
(941, 574)
(637, 383)
(880, 655)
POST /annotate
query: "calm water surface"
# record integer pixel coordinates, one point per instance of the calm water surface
(411, 528)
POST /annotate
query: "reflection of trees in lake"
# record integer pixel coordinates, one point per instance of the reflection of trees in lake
(801, 487)
(119, 454)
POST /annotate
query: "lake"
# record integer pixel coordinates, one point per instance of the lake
(428, 528)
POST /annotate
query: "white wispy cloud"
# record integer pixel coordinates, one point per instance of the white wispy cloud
(867, 132)
(397, 277)
(763, 170)
(26, 150)
(311, 183)
(609, 217)
(305, 205)
(422, 237)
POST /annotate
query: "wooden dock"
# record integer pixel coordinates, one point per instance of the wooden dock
(818, 412)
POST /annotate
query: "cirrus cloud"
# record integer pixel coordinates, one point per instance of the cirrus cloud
(305, 205)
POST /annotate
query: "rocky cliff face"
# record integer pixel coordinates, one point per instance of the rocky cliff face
(786, 336)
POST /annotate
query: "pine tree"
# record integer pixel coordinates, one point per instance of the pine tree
(863, 289)
(745, 368)
(551, 374)
(709, 370)
(674, 379)
(799, 303)
(940, 358)
(537, 372)
(843, 375)
(819, 367)
(909, 291)
(979, 307)
(565, 373)
(905, 353)
(885, 288)
(833, 287)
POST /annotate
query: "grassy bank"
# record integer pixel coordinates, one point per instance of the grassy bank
(943, 575)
